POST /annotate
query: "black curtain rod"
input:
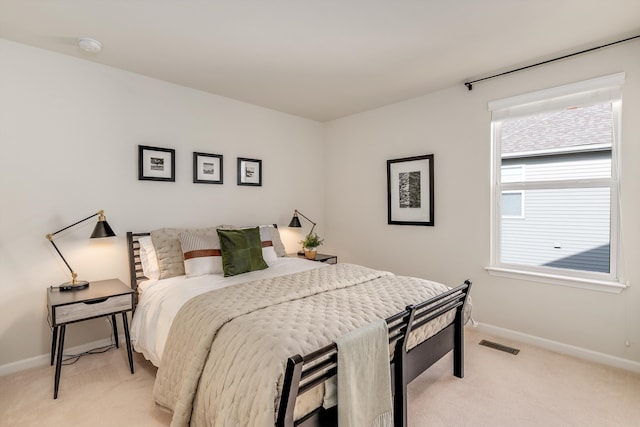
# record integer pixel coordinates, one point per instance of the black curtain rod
(469, 85)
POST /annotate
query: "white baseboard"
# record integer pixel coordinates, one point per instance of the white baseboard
(582, 353)
(556, 346)
(45, 359)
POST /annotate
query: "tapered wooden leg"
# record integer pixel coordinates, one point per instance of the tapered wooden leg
(59, 361)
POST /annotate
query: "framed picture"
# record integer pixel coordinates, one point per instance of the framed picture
(207, 168)
(410, 190)
(249, 172)
(156, 164)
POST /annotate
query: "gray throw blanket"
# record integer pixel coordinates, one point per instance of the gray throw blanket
(364, 380)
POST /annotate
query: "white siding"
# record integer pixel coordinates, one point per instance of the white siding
(565, 228)
(560, 167)
(561, 227)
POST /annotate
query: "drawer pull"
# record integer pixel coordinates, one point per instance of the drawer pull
(97, 301)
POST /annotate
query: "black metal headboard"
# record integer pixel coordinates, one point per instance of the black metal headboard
(135, 265)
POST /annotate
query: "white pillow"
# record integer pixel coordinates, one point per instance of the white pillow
(270, 237)
(274, 236)
(202, 254)
(148, 258)
(269, 255)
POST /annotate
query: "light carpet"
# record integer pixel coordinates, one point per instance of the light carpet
(534, 388)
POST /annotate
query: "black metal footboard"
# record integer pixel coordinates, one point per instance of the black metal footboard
(304, 373)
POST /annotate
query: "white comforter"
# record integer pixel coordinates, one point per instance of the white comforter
(160, 301)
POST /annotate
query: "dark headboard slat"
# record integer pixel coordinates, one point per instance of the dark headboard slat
(135, 265)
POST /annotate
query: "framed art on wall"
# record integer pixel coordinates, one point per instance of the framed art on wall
(249, 172)
(410, 190)
(156, 164)
(207, 168)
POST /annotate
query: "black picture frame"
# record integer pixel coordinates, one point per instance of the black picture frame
(156, 163)
(410, 196)
(249, 172)
(207, 168)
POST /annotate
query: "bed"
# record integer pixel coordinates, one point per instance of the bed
(257, 348)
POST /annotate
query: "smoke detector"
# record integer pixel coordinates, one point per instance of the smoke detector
(89, 45)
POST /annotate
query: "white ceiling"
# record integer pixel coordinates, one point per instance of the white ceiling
(320, 59)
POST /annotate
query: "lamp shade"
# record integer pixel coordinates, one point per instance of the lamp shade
(102, 229)
(295, 222)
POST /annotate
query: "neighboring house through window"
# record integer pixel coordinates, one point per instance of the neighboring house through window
(557, 150)
(512, 202)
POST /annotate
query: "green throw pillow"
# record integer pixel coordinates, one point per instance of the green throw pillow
(241, 251)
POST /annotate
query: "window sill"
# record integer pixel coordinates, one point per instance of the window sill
(574, 282)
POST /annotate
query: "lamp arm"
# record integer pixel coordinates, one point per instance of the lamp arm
(50, 236)
(303, 216)
(73, 273)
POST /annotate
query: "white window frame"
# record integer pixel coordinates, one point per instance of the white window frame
(603, 89)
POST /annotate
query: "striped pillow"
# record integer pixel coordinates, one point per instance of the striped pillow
(202, 254)
(166, 242)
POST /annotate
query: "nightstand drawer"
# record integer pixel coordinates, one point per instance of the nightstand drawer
(82, 310)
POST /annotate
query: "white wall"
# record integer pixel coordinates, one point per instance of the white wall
(69, 131)
(454, 125)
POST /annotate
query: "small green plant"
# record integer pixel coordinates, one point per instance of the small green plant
(311, 241)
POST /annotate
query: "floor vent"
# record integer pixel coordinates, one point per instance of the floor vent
(496, 346)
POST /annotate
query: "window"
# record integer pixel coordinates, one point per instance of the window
(512, 203)
(557, 149)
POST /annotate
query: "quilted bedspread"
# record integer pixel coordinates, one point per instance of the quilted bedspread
(225, 357)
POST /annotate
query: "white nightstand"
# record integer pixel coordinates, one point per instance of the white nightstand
(101, 298)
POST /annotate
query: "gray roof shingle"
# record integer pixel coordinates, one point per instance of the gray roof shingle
(572, 128)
